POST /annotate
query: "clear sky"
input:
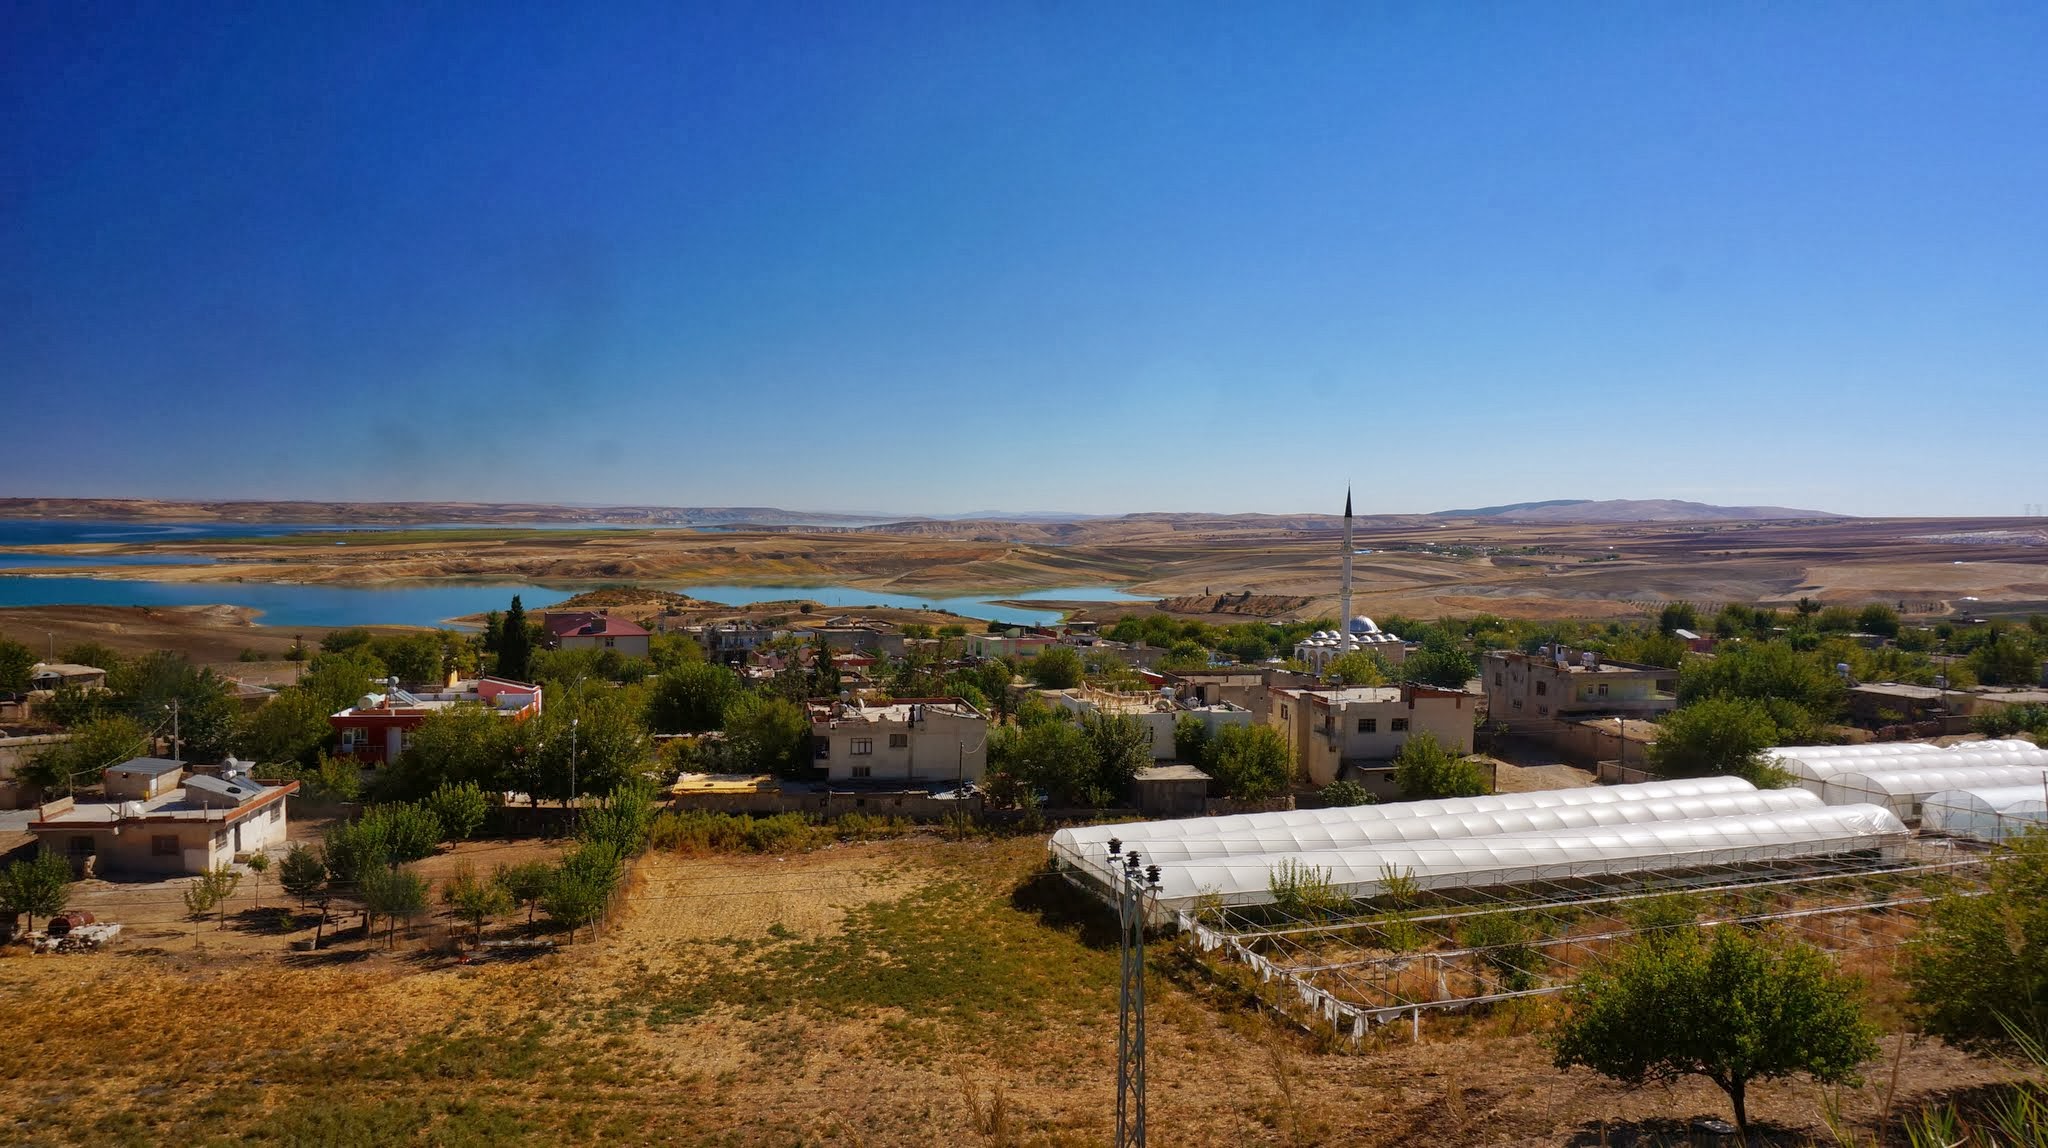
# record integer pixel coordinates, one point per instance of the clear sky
(1049, 256)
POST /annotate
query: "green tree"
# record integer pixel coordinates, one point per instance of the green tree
(528, 883)
(393, 894)
(461, 809)
(1878, 618)
(515, 645)
(1058, 668)
(767, 734)
(302, 874)
(1440, 665)
(77, 761)
(1717, 736)
(17, 661)
(37, 887)
(1734, 1007)
(691, 698)
(1357, 668)
(1190, 739)
(1249, 762)
(1981, 961)
(476, 901)
(1424, 769)
(291, 729)
(1678, 616)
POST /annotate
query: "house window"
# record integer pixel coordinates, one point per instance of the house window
(1398, 725)
(861, 746)
(1368, 725)
(163, 845)
(1603, 689)
(898, 740)
(1542, 688)
(863, 771)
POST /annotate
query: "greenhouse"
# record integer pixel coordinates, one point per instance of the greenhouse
(1079, 846)
(1904, 791)
(1520, 858)
(1991, 814)
(1388, 831)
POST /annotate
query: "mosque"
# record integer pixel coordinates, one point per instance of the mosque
(1358, 633)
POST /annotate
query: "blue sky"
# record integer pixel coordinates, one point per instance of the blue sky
(940, 258)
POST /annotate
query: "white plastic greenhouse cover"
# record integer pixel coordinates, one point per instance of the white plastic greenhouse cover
(1812, 773)
(1449, 826)
(1086, 840)
(1903, 791)
(1518, 858)
(1986, 814)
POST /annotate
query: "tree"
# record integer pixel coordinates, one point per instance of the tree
(1357, 668)
(37, 887)
(528, 883)
(1058, 668)
(1733, 1006)
(461, 809)
(291, 729)
(767, 734)
(1120, 746)
(302, 874)
(1424, 769)
(79, 759)
(17, 661)
(391, 894)
(259, 864)
(692, 697)
(1190, 739)
(1678, 616)
(1982, 961)
(476, 901)
(1442, 665)
(1250, 762)
(1715, 737)
(515, 645)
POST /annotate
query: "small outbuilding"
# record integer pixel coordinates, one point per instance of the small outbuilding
(1170, 791)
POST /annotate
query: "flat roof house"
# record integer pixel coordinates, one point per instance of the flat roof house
(908, 740)
(594, 630)
(189, 828)
(374, 729)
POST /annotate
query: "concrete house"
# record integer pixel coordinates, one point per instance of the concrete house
(375, 728)
(594, 630)
(1359, 729)
(910, 740)
(182, 829)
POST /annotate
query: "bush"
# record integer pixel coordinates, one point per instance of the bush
(1424, 769)
(1343, 794)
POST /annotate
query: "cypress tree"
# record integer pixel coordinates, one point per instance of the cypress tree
(515, 644)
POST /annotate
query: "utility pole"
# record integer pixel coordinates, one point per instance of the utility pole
(1132, 882)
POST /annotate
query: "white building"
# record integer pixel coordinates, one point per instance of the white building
(1156, 712)
(910, 740)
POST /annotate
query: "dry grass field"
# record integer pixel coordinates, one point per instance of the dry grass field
(1415, 565)
(917, 992)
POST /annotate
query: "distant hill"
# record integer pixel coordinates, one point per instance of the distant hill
(1630, 510)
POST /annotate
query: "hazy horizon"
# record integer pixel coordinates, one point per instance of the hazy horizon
(1193, 258)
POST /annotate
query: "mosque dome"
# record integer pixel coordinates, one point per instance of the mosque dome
(1364, 625)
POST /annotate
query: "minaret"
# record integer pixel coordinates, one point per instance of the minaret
(1344, 622)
